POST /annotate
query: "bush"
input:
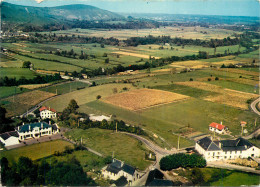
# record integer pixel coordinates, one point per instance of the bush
(99, 97)
(216, 79)
(182, 160)
(191, 79)
(209, 79)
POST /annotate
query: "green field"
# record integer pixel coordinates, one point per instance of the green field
(36, 151)
(65, 88)
(106, 142)
(159, 126)
(17, 73)
(236, 86)
(8, 91)
(238, 179)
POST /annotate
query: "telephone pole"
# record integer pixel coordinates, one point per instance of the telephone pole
(179, 142)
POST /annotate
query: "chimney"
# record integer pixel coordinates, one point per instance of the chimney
(23, 123)
(41, 125)
(122, 163)
(221, 123)
(220, 145)
(49, 108)
(18, 128)
(49, 122)
(29, 127)
(211, 138)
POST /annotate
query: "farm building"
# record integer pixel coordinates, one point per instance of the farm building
(218, 128)
(36, 130)
(46, 112)
(117, 169)
(226, 149)
(9, 138)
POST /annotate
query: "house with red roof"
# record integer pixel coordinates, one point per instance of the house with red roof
(218, 128)
(47, 112)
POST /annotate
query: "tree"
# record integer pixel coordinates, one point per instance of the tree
(191, 79)
(2, 115)
(73, 106)
(98, 96)
(26, 64)
(107, 60)
(216, 79)
(105, 55)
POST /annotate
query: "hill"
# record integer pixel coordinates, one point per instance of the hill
(42, 15)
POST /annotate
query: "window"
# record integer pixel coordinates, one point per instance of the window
(253, 149)
(225, 152)
(209, 154)
(225, 157)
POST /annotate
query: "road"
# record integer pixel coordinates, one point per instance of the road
(253, 106)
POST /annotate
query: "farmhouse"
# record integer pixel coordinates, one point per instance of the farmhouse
(9, 138)
(46, 112)
(226, 149)
(117, 169)
(36, 130)
(218, 128)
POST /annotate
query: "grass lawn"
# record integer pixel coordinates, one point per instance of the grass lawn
(235, 86)
(65, 88)
(36, 151)
(7, 91)
(238, 179)
(87, 160)
(124, 147)
(17, 73)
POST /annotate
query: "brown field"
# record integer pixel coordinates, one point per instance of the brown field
(226, 96)
(134, 54)
(49, 72)
(143, 98)
(22, 102)
(33, 86)
(239, 71)
(226, 62)
(196, 64)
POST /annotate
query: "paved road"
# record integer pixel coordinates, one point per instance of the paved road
(253, 106)
(224, 165)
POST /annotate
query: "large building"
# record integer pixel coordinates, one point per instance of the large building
(117, 169)
(47, 112)
(226, 149)
(36, 130)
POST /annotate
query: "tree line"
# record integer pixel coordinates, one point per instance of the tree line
(7, 81)
(25, 172)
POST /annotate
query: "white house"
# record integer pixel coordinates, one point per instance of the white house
(117, 169)
(36, 130)
(9, 138)
(226, 149)
(46, 112)
(218, 128)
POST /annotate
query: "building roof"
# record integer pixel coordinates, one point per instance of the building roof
(118, 165)
(47, 108)
(161, 182)
(122, 181)
(26, 127)
(217, 126)
(7, 135)
(154, 174)
(238, 144)
(128, 169)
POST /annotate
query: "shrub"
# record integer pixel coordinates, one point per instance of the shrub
(191, 79)
(216, 79)
(182, 160)
(99, 97)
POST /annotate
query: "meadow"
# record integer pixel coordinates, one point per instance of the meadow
(17, 73)
(6, 91)
(110, 143)
(36, 151)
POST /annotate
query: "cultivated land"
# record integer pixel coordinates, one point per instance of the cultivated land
(86, 95)
(143, 98)
(106, 141)
(6, 91)
(36, 151)
(17, 73)
(16, 105)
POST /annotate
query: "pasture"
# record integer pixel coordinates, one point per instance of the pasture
(143, 98)
(17, 73)
(36, 151)
(108, 143)
(10, 90)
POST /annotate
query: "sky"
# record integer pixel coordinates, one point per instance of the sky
(203, 7)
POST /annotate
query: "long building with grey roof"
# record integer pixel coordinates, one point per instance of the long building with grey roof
(214, 150)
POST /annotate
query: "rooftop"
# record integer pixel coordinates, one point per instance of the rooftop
(217, 126)
(7, 135)
(47, 108)
(26, 127)
(118, 165)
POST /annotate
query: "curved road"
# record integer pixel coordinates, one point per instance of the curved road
(253, 106)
